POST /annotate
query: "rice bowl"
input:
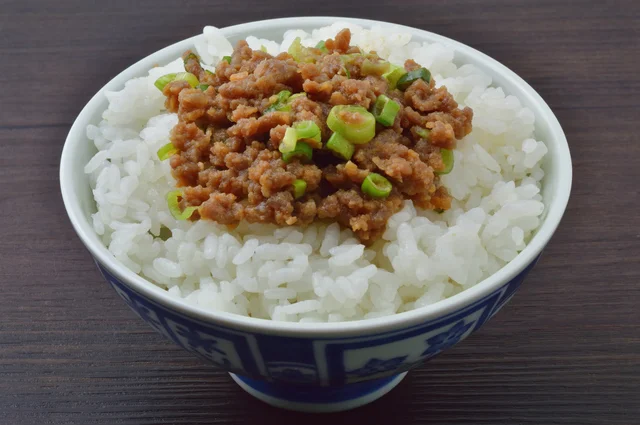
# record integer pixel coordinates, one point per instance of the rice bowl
(320, 273)
(342, 365)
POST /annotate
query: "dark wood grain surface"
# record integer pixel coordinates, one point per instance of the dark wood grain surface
(566, 350)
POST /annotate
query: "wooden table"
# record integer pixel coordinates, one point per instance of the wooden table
(566, 350)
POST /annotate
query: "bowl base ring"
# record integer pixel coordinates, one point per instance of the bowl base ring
(318, 399)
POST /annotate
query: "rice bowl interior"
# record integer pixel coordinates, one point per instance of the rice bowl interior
(320, 273)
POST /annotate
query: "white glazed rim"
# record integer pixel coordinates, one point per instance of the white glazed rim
(561, 186)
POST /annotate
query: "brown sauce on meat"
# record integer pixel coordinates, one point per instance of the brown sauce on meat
(228, 160)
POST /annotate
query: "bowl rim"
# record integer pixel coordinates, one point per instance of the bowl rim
(145, 288)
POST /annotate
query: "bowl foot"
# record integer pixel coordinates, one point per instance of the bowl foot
(318, 399)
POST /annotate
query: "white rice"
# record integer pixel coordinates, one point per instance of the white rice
(321, 273)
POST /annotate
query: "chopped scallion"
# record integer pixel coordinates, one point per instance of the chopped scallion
(280, 103)
(376, 186)
(295, 49)
(191, 56)
(299, 188)
(299, 53)
(393, 75)
(306, 129)
(203, 87)
(288, 143)
(349, 58)
(174, 206)
(188, 77)
(164, 80)
(272, 108)
(354, 123)
(322, 47)
(375, 67)
(296, 96)
(340, 146)
(166, 151)
(422, 132)
(417, 74)
(227, 59)
(346, 71)
(302, 151)
(385, 110)
(284, 95)
(317, 139)
(346, 59)
(447, 159)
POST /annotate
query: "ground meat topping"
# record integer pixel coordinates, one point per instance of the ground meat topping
(232, 125)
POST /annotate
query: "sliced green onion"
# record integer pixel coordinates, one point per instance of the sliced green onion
(385, 110)
(376, 186)
(438, 210)
(279, 108)
(188, 77)
(299, 53)
(191, 56)
(447, 159)
(227, 59)
(263, 48)
(355, 123)
(375, 67)
(350, 57)
(174, 206)
(309, 131)
(284, 95)
(322, 47)
(274, 107)
(317, 138)
(203, 87)
(346, 59)
(423, 132)
(283, 103)
(166, 151)
(296, 96)
(340, 146)
(288, 143)
(164, 80)
(393, 75)
(302, 151)
(418, 74)
(299, 188)
(295, 49)
(306, 129)
(209, 72)
(280, 103)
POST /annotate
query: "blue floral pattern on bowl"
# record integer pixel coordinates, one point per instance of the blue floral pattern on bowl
(320, 362)
(376, 366)
(446, 339)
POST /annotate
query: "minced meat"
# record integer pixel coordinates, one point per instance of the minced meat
(228, 135)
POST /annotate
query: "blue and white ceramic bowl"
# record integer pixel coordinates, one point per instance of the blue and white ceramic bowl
(308, 366)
